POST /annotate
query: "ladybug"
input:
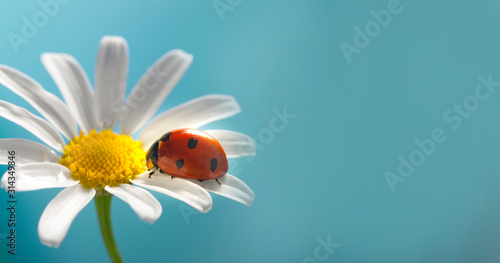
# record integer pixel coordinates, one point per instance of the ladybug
(187, 153)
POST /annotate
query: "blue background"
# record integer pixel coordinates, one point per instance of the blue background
(322, 177)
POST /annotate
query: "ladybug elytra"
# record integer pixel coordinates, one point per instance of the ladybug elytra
(187, 153)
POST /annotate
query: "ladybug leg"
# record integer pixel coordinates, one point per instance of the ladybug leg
(162, 172)
(151, 173)
(217, 180)
(172, 178)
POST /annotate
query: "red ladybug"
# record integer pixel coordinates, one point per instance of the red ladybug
(187, 153)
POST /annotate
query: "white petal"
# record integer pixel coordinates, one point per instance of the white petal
(74, 86)
(37, 176)
(26, 151)
(60, 213)
(152, 89)
(178, 188)
(50, 106)
(191, 114)
(230, 187)
(110, 80)
(36, 125)
(141, 201)
(235, 144)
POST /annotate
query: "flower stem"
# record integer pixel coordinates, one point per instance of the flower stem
(103, 207)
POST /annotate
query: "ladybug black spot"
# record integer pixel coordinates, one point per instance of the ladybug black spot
(192, 143)
(165, 137)
(179, 163)
(213, 164)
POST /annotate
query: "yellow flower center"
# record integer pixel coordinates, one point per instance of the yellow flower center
(103, 158)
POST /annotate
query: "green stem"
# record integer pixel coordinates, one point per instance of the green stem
(103, 207)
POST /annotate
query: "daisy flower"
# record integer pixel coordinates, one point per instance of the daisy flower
(97, 162)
